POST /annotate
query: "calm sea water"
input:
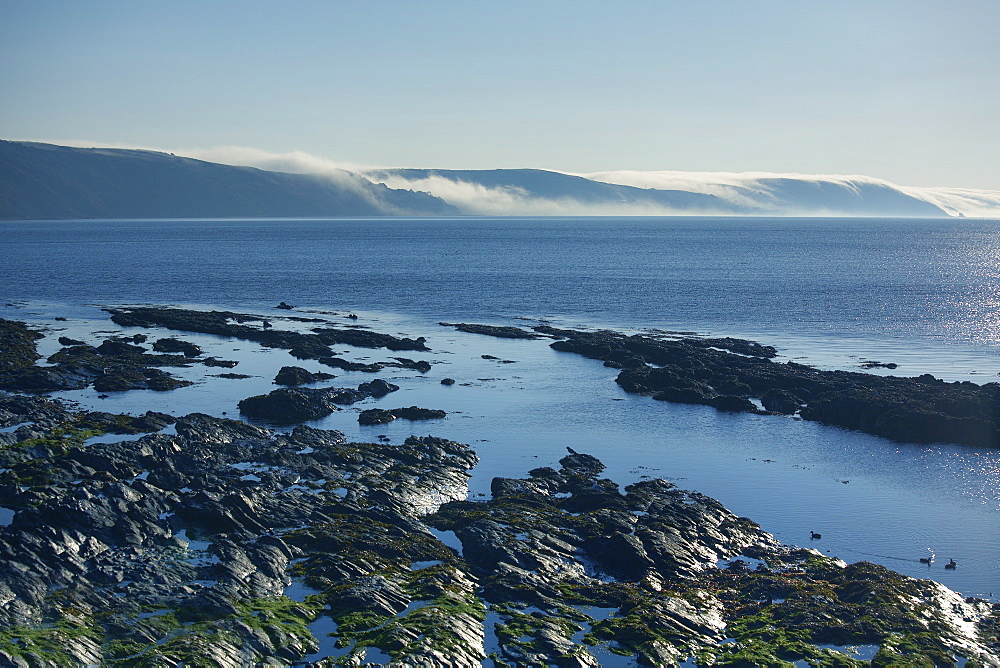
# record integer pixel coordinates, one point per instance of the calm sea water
(924, 294)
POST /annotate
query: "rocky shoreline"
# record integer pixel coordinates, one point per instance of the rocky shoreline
(201, 540)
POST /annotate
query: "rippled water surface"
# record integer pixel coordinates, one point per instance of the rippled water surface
(833, 293)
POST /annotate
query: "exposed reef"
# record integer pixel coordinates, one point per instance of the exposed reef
(226, 323)
(227, 544)
(382, 416)
(199, 540)
(116, 365)
(300, 404)
(296, 375)
(492, 330)
(731, 374)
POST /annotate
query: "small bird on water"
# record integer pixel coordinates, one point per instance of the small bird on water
(951, 564)
(814, 536)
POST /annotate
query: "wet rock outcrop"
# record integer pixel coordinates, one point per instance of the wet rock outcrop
(300, 404)
(223, 543)
(731, 374)
(492, 330)
(383, 416)
(171, 345)
(296, 375)
(117, 364)
(375, 367)
(227, 323)
(18, 343)
(181, 548)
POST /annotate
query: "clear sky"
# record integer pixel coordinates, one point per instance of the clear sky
(906, 90)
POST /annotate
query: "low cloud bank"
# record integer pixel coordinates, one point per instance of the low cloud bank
(760, 189)
(509, 200)
(748, 193)
(970, 203)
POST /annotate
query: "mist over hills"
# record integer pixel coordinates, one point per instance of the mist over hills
(539, 192)
(39, 181)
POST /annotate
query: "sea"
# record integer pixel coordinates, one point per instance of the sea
(833, 293)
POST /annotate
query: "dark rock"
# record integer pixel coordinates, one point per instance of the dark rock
(377, 388)
(417, 365)
(289, 406)
(731, 403)
(346, 365)
(292, 405)
(228, 323)
(171, 345)
(781, 401)
(212, 361)
(119, 348)
(492, 330)
(120, 380)
(294, 375)
(66, 341)
(417, 413)
(18, 347)
(283, 305)
(117, 364)
(447, 381)
(375, 416)
(728, 373)
(872, 364)
(381, 416)
(375, 367)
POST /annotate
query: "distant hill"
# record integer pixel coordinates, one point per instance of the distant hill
(539, 192)
(39, 181)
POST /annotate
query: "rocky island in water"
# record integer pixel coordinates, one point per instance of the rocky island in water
(157, 539)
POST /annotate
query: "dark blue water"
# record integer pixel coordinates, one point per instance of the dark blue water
(924, 294)
(889, 278)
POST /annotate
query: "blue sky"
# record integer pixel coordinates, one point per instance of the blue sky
(906, 91)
